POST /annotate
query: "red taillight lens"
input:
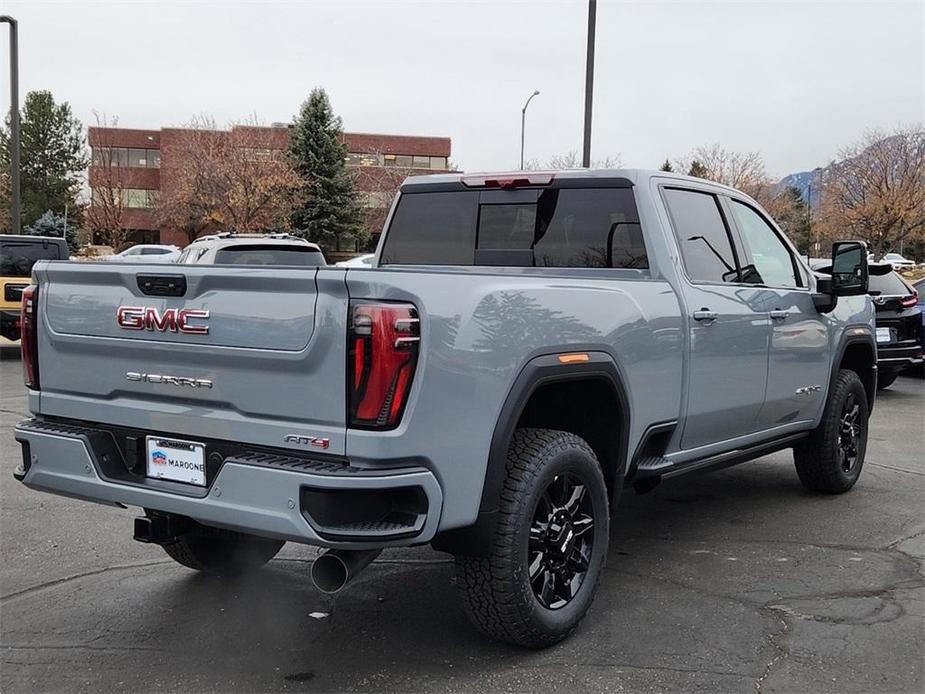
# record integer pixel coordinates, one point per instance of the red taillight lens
(28, 321)
(911, 300)
(384, 341)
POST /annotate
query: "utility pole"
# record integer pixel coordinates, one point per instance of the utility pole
(589, 83)
(14, 121)
(523, 120)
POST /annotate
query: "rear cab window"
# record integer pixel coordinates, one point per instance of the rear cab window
(17, 257)
(562, 227)
(269, 254)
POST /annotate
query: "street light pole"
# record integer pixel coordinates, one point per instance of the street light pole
(14, 120)
(523, 120)
(589, 83)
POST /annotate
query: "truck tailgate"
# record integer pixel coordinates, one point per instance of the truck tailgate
(271, 363)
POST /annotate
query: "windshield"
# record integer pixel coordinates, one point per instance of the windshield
(18, 257)
(267, 254)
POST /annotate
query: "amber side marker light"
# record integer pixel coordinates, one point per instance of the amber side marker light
(573, 358)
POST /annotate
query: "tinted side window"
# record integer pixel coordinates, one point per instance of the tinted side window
(766, 260)
(432, 229)
(702, 236)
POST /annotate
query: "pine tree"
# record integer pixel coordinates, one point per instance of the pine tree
(330, 211)
(667, 166)
(51, 224)
(697, 169)
(52, 157)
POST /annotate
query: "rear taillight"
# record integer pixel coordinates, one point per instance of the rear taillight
(384, 340)
(911, 300)
(28, 343)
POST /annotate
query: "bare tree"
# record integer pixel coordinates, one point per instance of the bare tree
(377, 185)
(876, 192)
(571, 160)
(107, 181)
(742, 170)
(226, 179)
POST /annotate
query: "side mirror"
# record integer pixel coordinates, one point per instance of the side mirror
(849, 268)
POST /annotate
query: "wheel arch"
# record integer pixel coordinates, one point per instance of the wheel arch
(544, 395)
(857, 351)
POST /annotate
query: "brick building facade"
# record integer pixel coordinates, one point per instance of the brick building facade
(142, 160)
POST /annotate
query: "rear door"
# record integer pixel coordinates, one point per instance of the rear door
(245, 355)
(729, 326)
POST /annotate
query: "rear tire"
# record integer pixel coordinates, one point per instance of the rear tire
(222, 552)
(831, 458)
(548, 546)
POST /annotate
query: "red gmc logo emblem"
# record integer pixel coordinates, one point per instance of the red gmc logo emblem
(172, 320)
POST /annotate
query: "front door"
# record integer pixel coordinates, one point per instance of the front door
(799, 350)
(729, 327)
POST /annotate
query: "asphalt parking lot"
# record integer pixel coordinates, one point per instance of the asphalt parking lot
(734, 581)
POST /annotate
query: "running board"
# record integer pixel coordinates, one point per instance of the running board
(730, 458)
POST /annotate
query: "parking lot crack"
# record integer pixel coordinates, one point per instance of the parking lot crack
(776, 646)
(44, 585)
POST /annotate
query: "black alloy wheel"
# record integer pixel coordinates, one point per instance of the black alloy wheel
(849, 434)
(561, 541)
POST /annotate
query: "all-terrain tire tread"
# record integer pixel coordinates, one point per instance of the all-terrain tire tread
(814, 457)
(488, 584)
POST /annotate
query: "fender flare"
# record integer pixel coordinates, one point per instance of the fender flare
(475, 540)
(853, 336)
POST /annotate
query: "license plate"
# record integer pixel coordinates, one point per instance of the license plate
(883, 335)
(175, 460)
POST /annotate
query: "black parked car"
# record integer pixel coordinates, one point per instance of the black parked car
(900, 336)
(899, 321)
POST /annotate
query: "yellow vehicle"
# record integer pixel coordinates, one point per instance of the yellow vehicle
(17, 256)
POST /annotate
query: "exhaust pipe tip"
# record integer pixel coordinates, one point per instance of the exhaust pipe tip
(329, 573)
(337, 567)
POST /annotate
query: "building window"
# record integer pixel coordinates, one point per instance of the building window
(416, 161)
(137, 198)
(125, 156)
(361, 159)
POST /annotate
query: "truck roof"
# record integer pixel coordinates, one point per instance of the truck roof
(632, 176)
(225, 239)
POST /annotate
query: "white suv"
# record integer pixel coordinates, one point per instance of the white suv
(229, 248)
(146, 253)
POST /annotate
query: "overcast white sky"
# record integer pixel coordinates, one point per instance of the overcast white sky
(795, 80)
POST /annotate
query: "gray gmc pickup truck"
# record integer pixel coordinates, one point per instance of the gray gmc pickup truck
(525, 347)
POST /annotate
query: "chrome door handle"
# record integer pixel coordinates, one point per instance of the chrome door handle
(705, 315)
(777, 314)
